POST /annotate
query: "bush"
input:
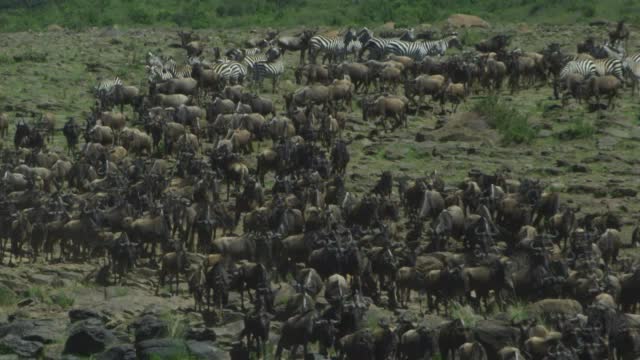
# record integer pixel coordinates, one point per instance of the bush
(508, 121)
(578, 129)
(7, 297)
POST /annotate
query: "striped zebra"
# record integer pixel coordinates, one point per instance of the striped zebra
(376, 46)
(270, 56)
(609, 67)
(230, 71)
(585, 68)
(107, 85)
(334, 48)
(354, 48)
(420, 49)
(271, 70)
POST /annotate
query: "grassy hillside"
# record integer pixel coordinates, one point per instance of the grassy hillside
(18, 15)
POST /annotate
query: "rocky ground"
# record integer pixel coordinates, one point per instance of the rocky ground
(58, 308)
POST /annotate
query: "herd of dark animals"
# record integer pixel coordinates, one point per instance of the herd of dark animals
(486, 242)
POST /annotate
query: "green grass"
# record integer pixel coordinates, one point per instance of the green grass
(579, 128)
(7, 297)
(60, 297)
(465, 313)
(177, 324)
(512, 124)
(76, 14)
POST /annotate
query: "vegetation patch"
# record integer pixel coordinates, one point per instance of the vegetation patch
(7, 296)
(512, 125)
(578, 129)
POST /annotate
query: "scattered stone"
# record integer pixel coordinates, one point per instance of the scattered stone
(76, 315)
(24, 348)
(55, 28)
(205, 350)
(581, 189)
(162, 349)
(25, 302)
(120, 352)
(200, 334)
(43, 331)
(463, 20)
(149, 327)
(88, 337)
(623, 192)
(579, 168)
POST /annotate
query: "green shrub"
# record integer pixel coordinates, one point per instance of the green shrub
(61, 299)
(512, 125)
(578, 129)
(7, 296)
(465, 313)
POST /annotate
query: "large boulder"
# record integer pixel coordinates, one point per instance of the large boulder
(76, 315)
(162, 349)
(120, 352)
(205, 350)
(88, 337)
(149, 327)
(12, 344)
(200, 334)
(463, 20)
(43, 331)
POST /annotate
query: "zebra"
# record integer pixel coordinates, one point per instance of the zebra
(414, 50)
(105, 86)
(271, 55)
(354, 47)
(609, 67)
(333, 47)
(262, 70)
(376, 46)
(585, 68)
(230, 71)
(103, 91)
(439, 47)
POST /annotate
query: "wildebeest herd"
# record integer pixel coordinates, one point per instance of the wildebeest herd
(221, 190)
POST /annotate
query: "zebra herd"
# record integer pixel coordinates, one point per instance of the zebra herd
(337, 48)
(252, 63)
(617, 65)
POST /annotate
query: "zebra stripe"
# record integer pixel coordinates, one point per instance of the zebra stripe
(420, 49)
(609, 67)
(585, 68)
(354, 47)
(334, 47)
(377, 47)
(106, 86)
(230, 71)
(270, 70)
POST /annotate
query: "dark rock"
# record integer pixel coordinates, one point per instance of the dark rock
(15, 345)
(200, 334)
(161, 349)
(623, 192)
(562, 163)
(120, 352)
(420, 137)
(579, 168)
(76, 315)
(581, 189)
(88, 337)
(149, 327)
(43, 331)
(551, 171)
(205, 350)
(25, 302)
